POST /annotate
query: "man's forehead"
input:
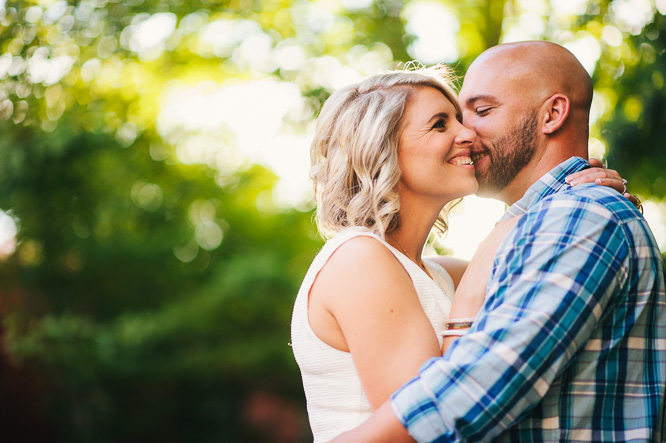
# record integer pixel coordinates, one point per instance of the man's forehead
(476, 98)
(477, 88)
(489, 82)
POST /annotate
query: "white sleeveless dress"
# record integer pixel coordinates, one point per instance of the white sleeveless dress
(335, 398)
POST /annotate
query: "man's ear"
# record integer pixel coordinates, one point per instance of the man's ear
(556, 113)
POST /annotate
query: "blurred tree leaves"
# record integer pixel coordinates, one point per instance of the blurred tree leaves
(106, 302)
(635, 127)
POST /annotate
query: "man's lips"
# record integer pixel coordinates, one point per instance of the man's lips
(476, 156)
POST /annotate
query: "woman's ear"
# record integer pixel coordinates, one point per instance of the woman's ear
(556, 113)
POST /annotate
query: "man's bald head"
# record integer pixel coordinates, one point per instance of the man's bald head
(540, 69)
(529, 103)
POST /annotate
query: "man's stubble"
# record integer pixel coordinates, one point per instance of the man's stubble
(508, 156)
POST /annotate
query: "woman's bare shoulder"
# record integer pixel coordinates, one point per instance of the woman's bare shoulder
(363, 260)
(362, 288)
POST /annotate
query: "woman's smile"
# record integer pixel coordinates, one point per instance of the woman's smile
(463, 159)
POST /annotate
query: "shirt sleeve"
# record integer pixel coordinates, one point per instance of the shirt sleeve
(553, 280)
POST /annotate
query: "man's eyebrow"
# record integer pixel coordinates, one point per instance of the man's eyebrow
(483, 97)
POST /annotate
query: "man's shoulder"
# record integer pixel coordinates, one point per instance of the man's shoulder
(593, 202)
(589, 212)
(574, 214)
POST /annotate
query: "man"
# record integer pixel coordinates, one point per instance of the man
(570, 344)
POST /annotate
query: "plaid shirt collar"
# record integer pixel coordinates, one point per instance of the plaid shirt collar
(547, 185)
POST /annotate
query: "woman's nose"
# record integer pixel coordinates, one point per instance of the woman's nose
(465, 135)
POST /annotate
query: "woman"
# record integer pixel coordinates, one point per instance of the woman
(388, 155)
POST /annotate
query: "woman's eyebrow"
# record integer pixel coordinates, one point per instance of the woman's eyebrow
(442, 115)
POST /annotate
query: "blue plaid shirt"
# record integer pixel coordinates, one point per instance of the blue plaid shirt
(570, 344)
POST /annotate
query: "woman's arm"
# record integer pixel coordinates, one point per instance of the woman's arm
(471, 292)
(473, 280)
(603, 176)
(364, 302)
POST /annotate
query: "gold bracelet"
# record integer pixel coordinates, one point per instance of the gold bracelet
(458, 325)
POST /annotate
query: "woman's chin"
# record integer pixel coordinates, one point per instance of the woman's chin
(460, 193)
(474, 188)
(468, 188)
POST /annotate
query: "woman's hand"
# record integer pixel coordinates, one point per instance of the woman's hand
(603, 176)
(471, 291)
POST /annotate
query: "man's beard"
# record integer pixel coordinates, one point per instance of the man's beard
(508, 156)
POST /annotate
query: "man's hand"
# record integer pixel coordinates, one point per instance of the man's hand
(382, 426)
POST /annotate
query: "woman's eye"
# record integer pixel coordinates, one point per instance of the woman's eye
(439, 124)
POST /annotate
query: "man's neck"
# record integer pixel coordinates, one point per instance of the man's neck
(540, 165)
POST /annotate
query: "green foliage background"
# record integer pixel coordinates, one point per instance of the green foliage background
(106, 334)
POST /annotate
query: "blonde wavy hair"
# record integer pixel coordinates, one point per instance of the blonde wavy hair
(354, 154)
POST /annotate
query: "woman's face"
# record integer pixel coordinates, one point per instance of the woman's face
(434, 149)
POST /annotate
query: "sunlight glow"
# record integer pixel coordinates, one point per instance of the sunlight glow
(290, 160)
(327, 72)
(661, 6)
(55, 11)
(8, 231)
(612, 36)
(586, 49)
(596, 148)
(435, 29)
(655, 214)
(600, 105)
(354, 5)
(48, 70)
(313, 17)
(228, 126)
(631, 15)
(569, 7)
(469, 223)
(148, 33)
(289, 55)
(529, 26)
(223, 35)
(535, 6)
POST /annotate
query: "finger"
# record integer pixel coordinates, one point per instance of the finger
(578, 175)
(599, 162)
(631, 198)
(611, 183)
(612, 173)
(596, 162)
(573, 177)
(590, 175)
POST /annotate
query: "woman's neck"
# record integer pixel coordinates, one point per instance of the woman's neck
(416, 222)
